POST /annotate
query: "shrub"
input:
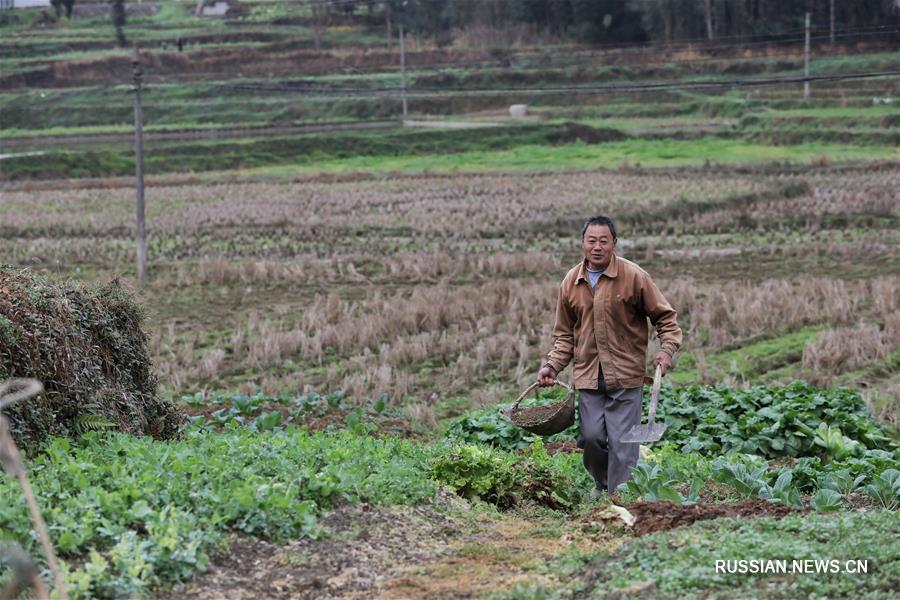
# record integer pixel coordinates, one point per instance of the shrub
(87, 346)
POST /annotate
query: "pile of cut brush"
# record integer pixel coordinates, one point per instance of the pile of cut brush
(88, 348)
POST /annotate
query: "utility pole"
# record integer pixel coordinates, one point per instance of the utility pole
(137, 75)
(317, 25)
(403, 71)
(806, 62)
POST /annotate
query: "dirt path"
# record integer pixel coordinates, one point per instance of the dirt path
(361, 548)
(450, 550)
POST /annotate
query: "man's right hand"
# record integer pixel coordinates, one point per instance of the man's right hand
(546, 376)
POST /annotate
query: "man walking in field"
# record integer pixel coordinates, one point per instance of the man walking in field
(601, 319)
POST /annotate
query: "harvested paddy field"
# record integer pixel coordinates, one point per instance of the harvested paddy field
(343, 299)
(412, 286)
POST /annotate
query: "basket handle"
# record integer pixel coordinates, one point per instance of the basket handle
(535, 385)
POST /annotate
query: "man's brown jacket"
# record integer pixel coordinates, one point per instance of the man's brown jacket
(608, 325)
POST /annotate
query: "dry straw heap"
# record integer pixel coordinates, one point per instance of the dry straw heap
(87, 346)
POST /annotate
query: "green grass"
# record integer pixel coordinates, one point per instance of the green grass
(308, 149)
(883, 61)
(688, 121)
(525, 148)
(682, 563)
(184, 106)
(751, 362)
(832, 112)
(129, 129)
(890, 364)
(646, 153)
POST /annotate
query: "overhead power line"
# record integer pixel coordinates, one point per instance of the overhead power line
(586, 89)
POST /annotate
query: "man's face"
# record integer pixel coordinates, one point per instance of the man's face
(598, 245)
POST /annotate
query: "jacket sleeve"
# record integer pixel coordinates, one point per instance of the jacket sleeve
(563, 333)
(662, 315)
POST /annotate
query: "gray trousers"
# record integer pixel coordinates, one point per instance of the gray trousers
(605, 418)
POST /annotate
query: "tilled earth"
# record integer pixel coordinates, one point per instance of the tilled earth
(663, 515)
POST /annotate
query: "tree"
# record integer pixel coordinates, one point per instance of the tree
(318, 25)
(59, 4)
(118, 19)
(589, 20)
(553, 15)
(708, 13)
(611, 21)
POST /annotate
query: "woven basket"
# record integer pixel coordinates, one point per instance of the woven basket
(547, 419)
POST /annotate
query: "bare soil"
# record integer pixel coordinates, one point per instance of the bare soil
(545, 419)
(566, 447)
(362, 548)
(447, 550)
(663, 515)
(224, 62)
(587, 134)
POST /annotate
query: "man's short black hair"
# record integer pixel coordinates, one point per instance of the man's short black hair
(599, 220)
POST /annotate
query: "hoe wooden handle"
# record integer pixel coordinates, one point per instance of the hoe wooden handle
(654, 395)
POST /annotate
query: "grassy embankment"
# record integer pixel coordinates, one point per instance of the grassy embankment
(755, 241)
(526, 148)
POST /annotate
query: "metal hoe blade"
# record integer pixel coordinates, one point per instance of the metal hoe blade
(651, 431)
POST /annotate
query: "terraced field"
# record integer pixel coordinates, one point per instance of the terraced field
(339, 315)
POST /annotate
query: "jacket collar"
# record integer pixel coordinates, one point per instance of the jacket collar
(611, 270)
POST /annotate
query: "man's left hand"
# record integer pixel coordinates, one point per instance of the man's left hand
(663, 360)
